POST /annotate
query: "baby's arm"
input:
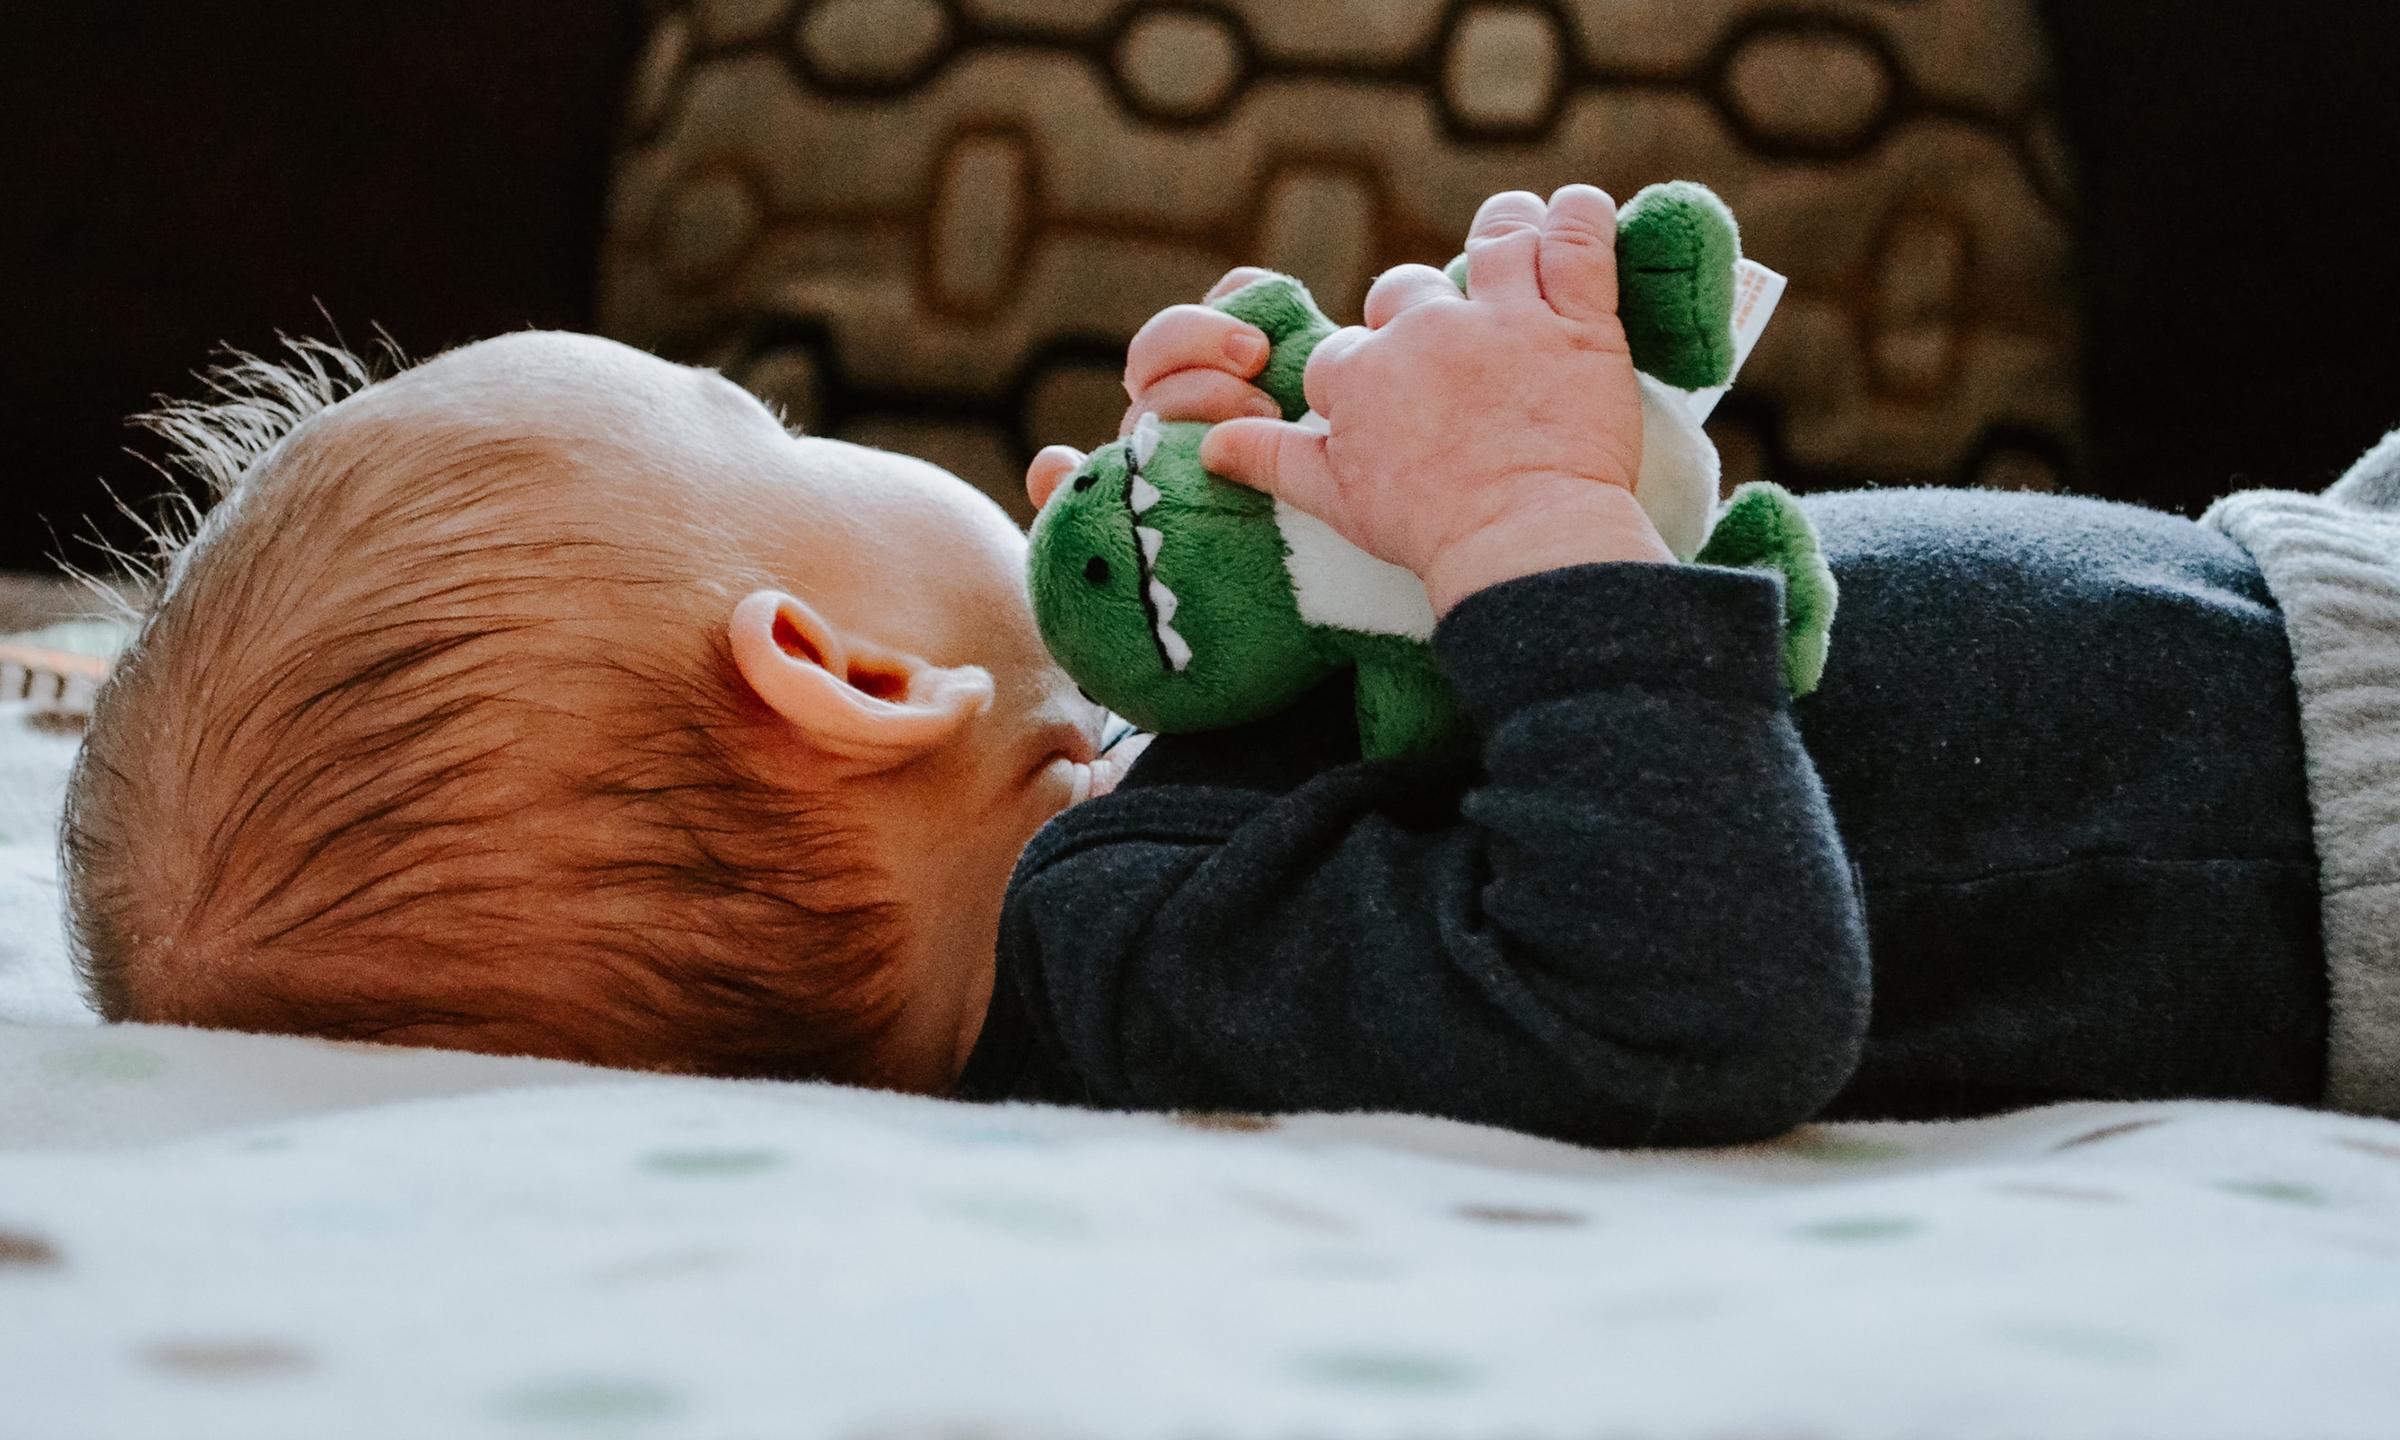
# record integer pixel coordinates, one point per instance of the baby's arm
(1630, 921)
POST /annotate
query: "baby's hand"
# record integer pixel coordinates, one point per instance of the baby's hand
(1473, 440)
(1187, 362)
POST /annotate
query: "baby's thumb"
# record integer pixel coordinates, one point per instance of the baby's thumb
(1283, 459)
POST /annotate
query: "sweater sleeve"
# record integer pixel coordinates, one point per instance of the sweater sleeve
(1630, 922)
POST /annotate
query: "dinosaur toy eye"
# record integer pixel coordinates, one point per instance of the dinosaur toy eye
(1095, 571)
(1084, 481)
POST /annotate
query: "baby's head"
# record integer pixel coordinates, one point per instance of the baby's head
(549, 698)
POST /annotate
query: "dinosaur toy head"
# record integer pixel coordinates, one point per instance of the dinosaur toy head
(1162, 588)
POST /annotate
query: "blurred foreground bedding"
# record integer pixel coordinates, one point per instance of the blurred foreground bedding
(206, 1234)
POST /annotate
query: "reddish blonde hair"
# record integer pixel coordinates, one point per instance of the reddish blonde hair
(359, 775)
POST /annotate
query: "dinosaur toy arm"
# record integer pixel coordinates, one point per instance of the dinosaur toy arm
(1763, 528)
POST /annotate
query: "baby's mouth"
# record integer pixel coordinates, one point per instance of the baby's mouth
(1158, 602)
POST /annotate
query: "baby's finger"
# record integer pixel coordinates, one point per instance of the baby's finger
(1579, 253)
(1234, 280)
(1210, 395)
(1283, 459)
(1402, 286)
(1316, 381)
(1181, 337)
(1506, 211)
(1503, 247)
(1049, 470)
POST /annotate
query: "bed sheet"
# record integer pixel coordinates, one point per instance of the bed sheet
(206, 1234)
(218, 1235)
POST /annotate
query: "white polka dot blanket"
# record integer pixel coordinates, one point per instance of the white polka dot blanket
(216, 1235)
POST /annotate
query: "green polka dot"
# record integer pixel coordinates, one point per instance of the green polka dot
(1383, 1370)
(2283, 1192)
(1023, 1214)
(1859, 1229)
(2078, 1341)
(712, 1164)
(105, 1062)
(577, 1401)
(1837, 1149)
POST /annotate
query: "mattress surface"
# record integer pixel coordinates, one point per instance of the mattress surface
(207, 1234)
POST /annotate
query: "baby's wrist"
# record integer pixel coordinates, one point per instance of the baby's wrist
(1571, 522)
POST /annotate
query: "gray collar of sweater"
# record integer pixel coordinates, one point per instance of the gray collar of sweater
(2332, 562)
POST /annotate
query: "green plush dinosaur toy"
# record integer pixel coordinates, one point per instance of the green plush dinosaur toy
(1185, 602)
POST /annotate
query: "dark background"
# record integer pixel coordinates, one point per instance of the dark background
(184, 176)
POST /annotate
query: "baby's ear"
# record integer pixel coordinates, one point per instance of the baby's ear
(848, 696)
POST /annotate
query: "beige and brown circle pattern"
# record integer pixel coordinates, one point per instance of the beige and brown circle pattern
(932, 224)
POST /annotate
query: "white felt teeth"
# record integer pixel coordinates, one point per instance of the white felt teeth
(1140, 495)
(1179, 654)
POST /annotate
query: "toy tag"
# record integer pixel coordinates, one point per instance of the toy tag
(1755, 291)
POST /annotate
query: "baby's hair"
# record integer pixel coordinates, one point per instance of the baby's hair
(248, 405)
(360, 774)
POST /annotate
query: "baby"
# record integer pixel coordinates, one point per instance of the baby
(549, 698)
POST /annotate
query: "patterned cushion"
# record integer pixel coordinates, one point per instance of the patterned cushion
(932, 224)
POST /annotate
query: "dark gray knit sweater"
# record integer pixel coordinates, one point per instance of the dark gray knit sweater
(2041, 833)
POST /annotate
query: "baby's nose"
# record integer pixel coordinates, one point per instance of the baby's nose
(1048, 470)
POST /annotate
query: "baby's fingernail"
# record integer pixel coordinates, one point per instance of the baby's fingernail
(1265, 405)
(1247, 351)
